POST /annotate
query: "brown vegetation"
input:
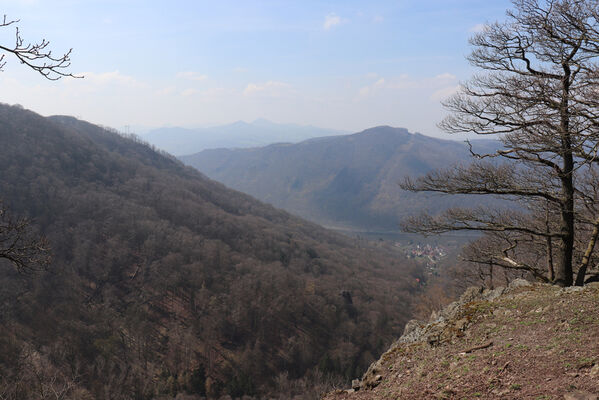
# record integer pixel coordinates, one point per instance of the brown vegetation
(531, 342)
(164, 282)
(347, 181)
(19, 246)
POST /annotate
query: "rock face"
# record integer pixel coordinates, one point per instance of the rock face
(524, 341)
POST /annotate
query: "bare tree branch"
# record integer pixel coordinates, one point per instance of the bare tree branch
(19, 246)
(538, 92)
(37, 55)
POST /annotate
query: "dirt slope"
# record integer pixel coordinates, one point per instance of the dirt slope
(523, 342)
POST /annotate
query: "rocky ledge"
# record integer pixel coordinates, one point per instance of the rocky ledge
(526, 341)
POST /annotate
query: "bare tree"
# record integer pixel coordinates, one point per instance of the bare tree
(538, 91)
(36, 56)
(19, 246)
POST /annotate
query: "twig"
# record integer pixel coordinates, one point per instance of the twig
(480, 347)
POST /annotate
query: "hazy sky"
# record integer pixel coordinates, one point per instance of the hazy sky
(340, 64)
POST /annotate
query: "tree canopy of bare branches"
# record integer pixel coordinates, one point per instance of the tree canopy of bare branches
(19, 246)
(37, 55)
(17, 243)
(538, 91)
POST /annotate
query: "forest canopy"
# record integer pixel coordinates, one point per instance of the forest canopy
(165, 282)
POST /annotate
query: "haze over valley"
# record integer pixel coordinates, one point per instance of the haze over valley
(240, 134)
(299, 200)
(348, 182)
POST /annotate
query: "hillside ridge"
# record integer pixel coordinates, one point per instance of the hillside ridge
(164, 282)
(347, 181)
(526, 341)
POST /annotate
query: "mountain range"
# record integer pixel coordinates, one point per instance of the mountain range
(261, 132)
(165, 283)
(346, 181)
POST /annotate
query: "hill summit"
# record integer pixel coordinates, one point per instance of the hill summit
(527, 341)
(347, 181)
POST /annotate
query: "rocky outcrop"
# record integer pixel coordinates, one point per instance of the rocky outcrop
(497, 343)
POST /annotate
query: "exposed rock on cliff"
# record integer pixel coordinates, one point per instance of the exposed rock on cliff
(527, 341)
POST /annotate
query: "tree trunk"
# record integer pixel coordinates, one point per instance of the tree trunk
(582, 271)
(563, 276)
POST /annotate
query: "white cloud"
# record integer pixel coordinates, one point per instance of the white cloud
(217, 91)
(189, 92)
(444, 93)
(438, 86)
(104, 79)
(366, 90)
(445, 76)
(166, 91)
(24, 2)
(192, 75)
(377, 19)
(270, 89)
(252, 88)
(478, 28)
(331, 20)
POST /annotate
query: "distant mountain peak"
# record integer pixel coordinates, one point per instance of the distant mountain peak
(343, 180)
(386, 129)
(239, 123)
(239, 134)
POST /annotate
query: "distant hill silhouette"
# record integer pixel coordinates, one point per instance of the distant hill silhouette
(348, 181)
(165, 282)
(180, 141)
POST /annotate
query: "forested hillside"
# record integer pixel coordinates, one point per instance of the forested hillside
(348, 181)
(165, 282)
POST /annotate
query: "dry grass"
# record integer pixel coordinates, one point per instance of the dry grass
(544, 344)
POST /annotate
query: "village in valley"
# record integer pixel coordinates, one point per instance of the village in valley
(425, 253)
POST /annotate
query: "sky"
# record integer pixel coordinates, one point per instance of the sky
(340, 64)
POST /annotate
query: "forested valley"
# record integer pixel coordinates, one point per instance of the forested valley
(126, 274)
(164, 283)
(345, 181)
